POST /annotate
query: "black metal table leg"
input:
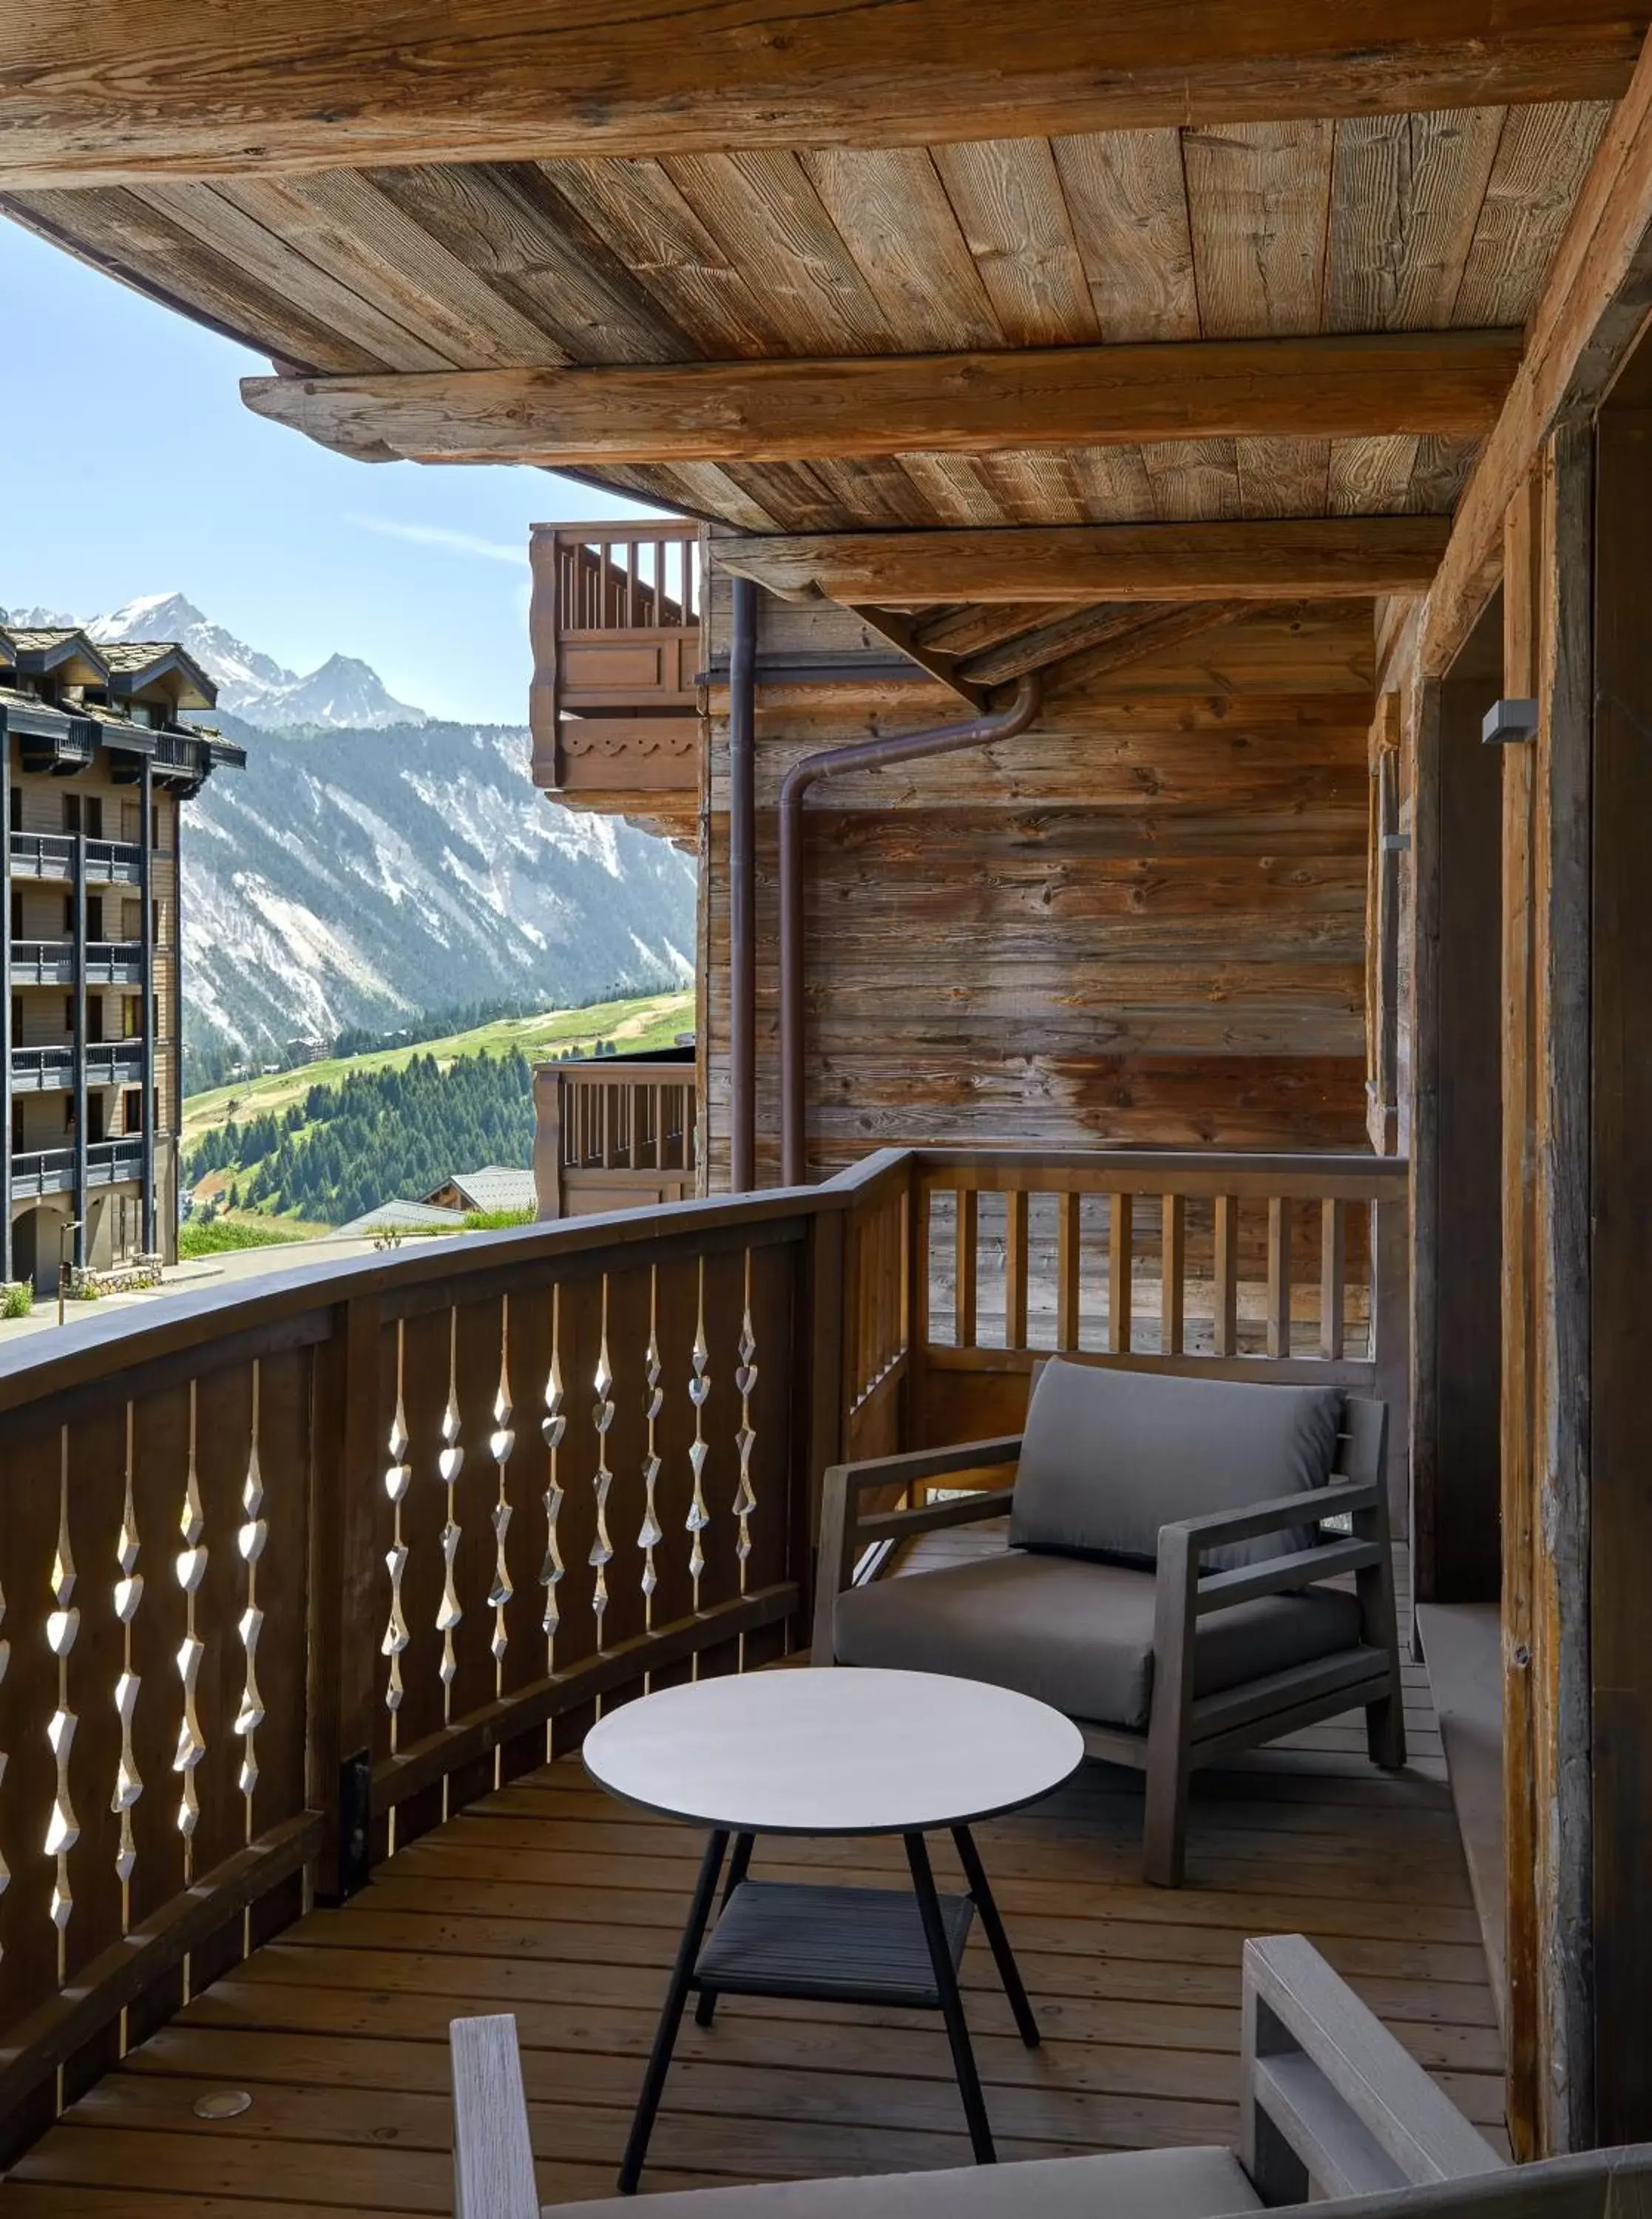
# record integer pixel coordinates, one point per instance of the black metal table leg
(951, 2003)
(1008, 1972)
(654, 2079)
(739, 1865)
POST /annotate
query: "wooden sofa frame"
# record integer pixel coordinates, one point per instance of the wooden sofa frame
(1184, 1730)
(1332, 2107)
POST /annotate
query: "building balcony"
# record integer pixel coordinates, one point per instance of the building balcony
(615, 621)
(50, 855)
(49, 1070)
(617, 1133)
(780, 1333)
(52, 963)
(52, 1171)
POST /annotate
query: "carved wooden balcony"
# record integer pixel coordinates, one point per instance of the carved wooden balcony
(303, 1586)
(617, 1132)
(615, 622)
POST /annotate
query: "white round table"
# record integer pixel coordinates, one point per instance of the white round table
(839, 1752)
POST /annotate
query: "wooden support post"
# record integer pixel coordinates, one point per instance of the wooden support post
(1560, 1852)
(1067, 1271)
(1172, 1275)
(1120, 1252)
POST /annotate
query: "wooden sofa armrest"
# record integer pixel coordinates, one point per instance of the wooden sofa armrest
(1306, 1507)
(1330, 2102)
(844, 1531)
(493, 2157)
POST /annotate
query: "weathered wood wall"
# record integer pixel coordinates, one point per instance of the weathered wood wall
(1144, 921)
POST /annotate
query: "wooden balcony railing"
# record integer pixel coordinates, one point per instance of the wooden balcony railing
(291, 1574)
(615, 1134)
(615, 622)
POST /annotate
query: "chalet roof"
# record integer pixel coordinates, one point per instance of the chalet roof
(495, 1186)
(402, 1217)
(137, 664)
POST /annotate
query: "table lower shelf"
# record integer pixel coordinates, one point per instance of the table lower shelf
(829, 1945)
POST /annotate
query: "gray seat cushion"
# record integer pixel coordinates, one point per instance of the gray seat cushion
(1107, 1457)
(1158, 2184)
(1075, 1634)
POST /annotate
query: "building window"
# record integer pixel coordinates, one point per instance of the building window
(72, 813)
(132, 822)
(68, 916)
(94, 815)
(94, 916)
(69, 1014)
(132, 1111)
(132, 1016)
(69, 1113)
(14, 809)
(16, 914)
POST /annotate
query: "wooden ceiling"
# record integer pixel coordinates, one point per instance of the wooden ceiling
(1381, 224)
(1226, 313)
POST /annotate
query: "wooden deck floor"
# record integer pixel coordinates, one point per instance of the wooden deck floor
(552, 1901)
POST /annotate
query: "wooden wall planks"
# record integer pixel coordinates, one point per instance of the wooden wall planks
(1143, 920)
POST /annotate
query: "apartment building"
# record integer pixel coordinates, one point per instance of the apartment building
(97, 768)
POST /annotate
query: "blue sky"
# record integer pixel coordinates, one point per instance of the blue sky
(132, 467)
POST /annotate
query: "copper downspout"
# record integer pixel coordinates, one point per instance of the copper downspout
(832, 762)
(742, 904)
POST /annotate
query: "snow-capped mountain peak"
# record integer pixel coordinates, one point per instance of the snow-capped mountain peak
(344, 694)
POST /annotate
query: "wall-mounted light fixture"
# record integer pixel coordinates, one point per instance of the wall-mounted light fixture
(1506, 722)
(1396, 843)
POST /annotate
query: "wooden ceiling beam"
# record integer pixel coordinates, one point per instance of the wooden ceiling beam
(1163, 628)
(1312, 558)
(96, 92)
(1341, 387)
(1112, 625)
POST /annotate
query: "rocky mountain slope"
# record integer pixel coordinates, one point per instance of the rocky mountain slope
(371, 861)
(350, 877)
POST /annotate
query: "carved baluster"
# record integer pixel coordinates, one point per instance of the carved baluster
(745, 1378)
(649, 1536)
(449, 1464)
(62, 1630)
(128, 1593)
(192, 1571)
(254, 1532)
(552, 1427)
(500, 1442)
(602, 1416)
(700, 1388)
(397, 1477)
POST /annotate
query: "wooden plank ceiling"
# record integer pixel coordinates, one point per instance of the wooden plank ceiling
(1234, 231)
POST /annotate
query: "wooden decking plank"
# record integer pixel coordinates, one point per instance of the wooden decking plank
(754, 2105)
(648, 1894)
(1419, 1875)
(1117, 1975)
(482, 1984)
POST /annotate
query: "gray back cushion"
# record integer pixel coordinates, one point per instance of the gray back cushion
(1109, 1456)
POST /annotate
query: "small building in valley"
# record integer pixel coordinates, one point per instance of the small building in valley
(494, 1187)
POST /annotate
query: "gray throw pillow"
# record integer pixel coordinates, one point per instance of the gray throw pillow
(1109, 1455)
